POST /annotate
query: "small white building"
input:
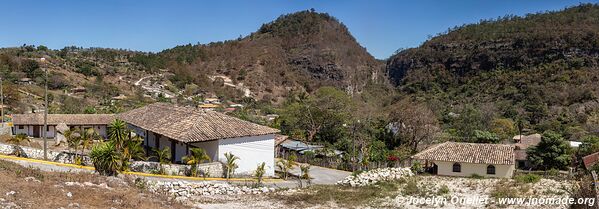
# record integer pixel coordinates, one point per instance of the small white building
(181, 128)
(466, 159)
(32, 124)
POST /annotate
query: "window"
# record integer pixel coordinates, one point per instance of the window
(457, 167)
(491, 169)
(21, 126)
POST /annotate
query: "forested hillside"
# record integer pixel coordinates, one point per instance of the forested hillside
(539, 72)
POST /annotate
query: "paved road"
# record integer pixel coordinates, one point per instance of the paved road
(322, 175)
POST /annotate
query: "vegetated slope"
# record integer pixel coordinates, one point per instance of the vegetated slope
(299, 51)
(104, 73)
(541, 68)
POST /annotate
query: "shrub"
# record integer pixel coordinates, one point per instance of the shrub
(476, 176)
(411, 188)
(528, 178)
(443, 190)
(417, 167)
(105, 158)
(504, 189)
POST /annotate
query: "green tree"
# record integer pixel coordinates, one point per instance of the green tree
(590, 145)
(485, 137)
(553, 152)
(319, 117)
(505, 128)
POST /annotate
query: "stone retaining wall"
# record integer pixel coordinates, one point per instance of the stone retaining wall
(29, 152)
(214, 169)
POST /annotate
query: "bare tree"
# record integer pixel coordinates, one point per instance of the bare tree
(416, 123)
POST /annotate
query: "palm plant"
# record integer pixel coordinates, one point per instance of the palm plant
(74, 141)
(88, 137)
(197, 156)
(163, 156)
(305, 173)
(118, 132)
(132, 150)
(16, 141)
(281, 165)
(259, 173)
(231, 165)
(286, 165)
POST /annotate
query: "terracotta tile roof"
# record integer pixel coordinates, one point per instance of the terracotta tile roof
(590, 160)
(523, 142)
(520, 154)
(469, 153)
(69, 119)
(187, 124)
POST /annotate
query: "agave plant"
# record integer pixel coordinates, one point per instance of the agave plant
(17, 140)
(231, 165)
(197, 156)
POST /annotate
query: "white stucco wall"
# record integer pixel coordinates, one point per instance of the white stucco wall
(23, 130)
(501, 171)
(251, 152)
(28, 130)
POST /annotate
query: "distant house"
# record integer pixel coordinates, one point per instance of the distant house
(590, 160)
(208, 106)
(32, 124)
(466, 159)
(286, 146)
(181, 128)
(212, 101)
(25, 81)
(79, 89)
(522, 143)
(574, 144)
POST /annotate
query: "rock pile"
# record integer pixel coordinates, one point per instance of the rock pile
(376, 175)
(182, 190)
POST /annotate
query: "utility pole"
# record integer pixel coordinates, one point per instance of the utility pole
(2, 102)
(44, 131)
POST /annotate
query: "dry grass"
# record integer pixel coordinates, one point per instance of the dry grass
(51, 191)
(344, 196)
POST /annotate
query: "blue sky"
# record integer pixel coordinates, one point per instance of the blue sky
(380, 26)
